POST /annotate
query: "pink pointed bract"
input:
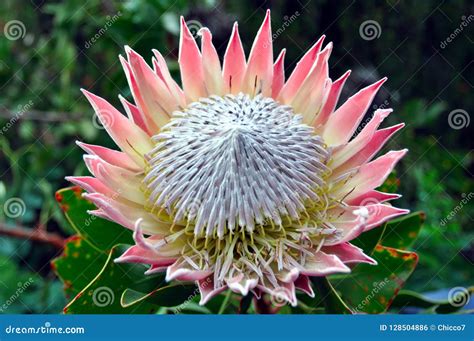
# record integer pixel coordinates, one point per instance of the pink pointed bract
(239, 179)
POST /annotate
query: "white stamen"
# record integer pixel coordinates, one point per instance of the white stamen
(235, 161)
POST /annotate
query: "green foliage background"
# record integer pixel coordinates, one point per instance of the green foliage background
(45, 69)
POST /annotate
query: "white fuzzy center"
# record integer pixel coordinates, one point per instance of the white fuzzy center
(235, 161)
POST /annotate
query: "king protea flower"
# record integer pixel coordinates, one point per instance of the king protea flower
(240, 179)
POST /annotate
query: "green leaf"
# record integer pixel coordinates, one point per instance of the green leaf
(78, 265)
(371, 289)
(102, 295)
(408, 298)
(333, 303)
(100, 233)
(18, 288)
(370, 239)
(168, 296)
(230, 304)
(401, 233)
(391, 184)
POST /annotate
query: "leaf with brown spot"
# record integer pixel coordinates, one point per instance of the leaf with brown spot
(102, 295)
(100, 233)
(401, 233)
(78, 265)
(371, 289)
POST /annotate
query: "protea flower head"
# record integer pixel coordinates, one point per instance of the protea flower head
(240, 179)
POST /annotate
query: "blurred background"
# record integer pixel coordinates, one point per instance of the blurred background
(50, 49)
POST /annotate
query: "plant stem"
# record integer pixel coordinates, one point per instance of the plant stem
(225, 302)
(35, 234)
